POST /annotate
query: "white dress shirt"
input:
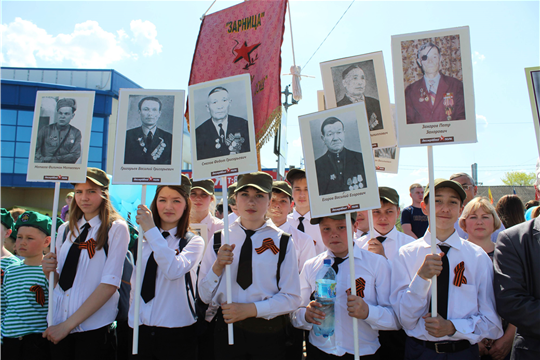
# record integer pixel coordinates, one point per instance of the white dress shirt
(223, 123)
(375, 270)
(269, 300)
(394, 240)
(303, 243)
(213, 224)
(311, 230)
(471, 306)
(101, 269)
(169, 308)
(232, 218)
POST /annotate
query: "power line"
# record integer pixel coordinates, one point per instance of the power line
(307, 62)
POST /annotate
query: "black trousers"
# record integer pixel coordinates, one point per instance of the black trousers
(254, 338)
(296, 349)
(205, 339)
(98, 344)
(159, 343)
(28, 347)
(314, 353)
(392, 344)
(416, 351)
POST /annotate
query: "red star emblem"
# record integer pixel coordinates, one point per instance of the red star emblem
(228, 170)
(441, 138)
(349, 206)
(244, 52)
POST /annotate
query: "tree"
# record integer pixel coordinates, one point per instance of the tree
(518, 178)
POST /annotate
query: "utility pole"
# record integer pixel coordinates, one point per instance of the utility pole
(474, 171)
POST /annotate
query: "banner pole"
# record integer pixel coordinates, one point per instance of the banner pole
(350, 242)
(53, 250)
(224, 192)
(138, 276)
(371, 227)
(432, 227)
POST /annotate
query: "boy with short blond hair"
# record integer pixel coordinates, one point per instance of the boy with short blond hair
(26, 292)
(465, 299)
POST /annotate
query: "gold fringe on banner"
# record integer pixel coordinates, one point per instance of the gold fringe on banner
(269, 129)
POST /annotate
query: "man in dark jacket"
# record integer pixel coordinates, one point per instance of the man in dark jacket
(517, 285)
(222, 134)
(339, 169)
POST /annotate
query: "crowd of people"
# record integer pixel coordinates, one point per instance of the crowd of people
(488, 283)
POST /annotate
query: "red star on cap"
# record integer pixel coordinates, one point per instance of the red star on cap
(245, 51)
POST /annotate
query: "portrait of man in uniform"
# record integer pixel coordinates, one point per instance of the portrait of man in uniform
(148, 143)
(222, 134)
(435, 97)
(339, 169)
(59, 142)
(354, 81)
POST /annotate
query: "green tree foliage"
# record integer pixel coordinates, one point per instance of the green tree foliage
(518, 178)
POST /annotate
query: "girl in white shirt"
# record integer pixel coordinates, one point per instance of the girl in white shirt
(88, 271)
(170, 258)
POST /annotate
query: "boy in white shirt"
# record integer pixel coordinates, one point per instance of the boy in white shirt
(465, 299)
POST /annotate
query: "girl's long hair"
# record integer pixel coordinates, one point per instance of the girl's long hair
(183, 223)
(107, 215)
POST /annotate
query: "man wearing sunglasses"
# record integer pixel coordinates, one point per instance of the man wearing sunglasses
(435, 97)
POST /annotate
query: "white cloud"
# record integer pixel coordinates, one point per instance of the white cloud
(88, 46)
(144, 35)
(477, 57)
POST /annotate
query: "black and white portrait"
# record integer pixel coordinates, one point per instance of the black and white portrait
(59, 131)
(338, 156)
(221, 120)
(355, 83)
(385, 153)
(150, 127)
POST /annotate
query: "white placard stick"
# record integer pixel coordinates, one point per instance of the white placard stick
(138, 276)
(224, 192)
(350, 241)
(371, 227)
(53, 250)
(432, 227)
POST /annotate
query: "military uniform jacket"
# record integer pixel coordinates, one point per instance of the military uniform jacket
(58, 146)
(449, 103)
(351, 177)
(208, 140)
(373, 109)
(138, 152)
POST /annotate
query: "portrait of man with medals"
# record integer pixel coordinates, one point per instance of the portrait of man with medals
(435, 97)
(148, 144)
(339, 169)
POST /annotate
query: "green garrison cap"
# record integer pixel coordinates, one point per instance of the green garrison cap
(440, 183)
(259, 180)
(35, 219)
(389, 194)
(315, 221)
(282, 186)
(292, 173)
(7, 219)
(206, 185)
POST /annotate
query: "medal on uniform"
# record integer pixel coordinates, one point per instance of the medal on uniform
(218, 145)
(448, 102)
(423, 95)
(332, 177)
(143, 145)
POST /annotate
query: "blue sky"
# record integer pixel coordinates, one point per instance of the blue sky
(152, 43)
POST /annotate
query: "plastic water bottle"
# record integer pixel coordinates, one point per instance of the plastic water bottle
(326, 296)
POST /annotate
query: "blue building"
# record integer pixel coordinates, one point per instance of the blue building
(18, 88)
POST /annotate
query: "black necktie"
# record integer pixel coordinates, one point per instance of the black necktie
(381, 238)
(337, 261)
(443, 283)
(221, 133)
(244, 278)
(300, 224)
(364, 234)
(72, 260)
(149, 139)
(148, 289)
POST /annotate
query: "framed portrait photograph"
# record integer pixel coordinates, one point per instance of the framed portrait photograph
(533, 83)
(386, 159)
(149, 136)
(61, 136)
(339, 161)
(361, 78)
(433, 87)
(202, 231)
(222, 128)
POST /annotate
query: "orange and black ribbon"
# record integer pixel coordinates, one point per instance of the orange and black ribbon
(459, 274)
(40, 294)
(267, 244)
(89, 245)
(360, 287)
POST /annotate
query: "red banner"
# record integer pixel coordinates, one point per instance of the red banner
(245, 38)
